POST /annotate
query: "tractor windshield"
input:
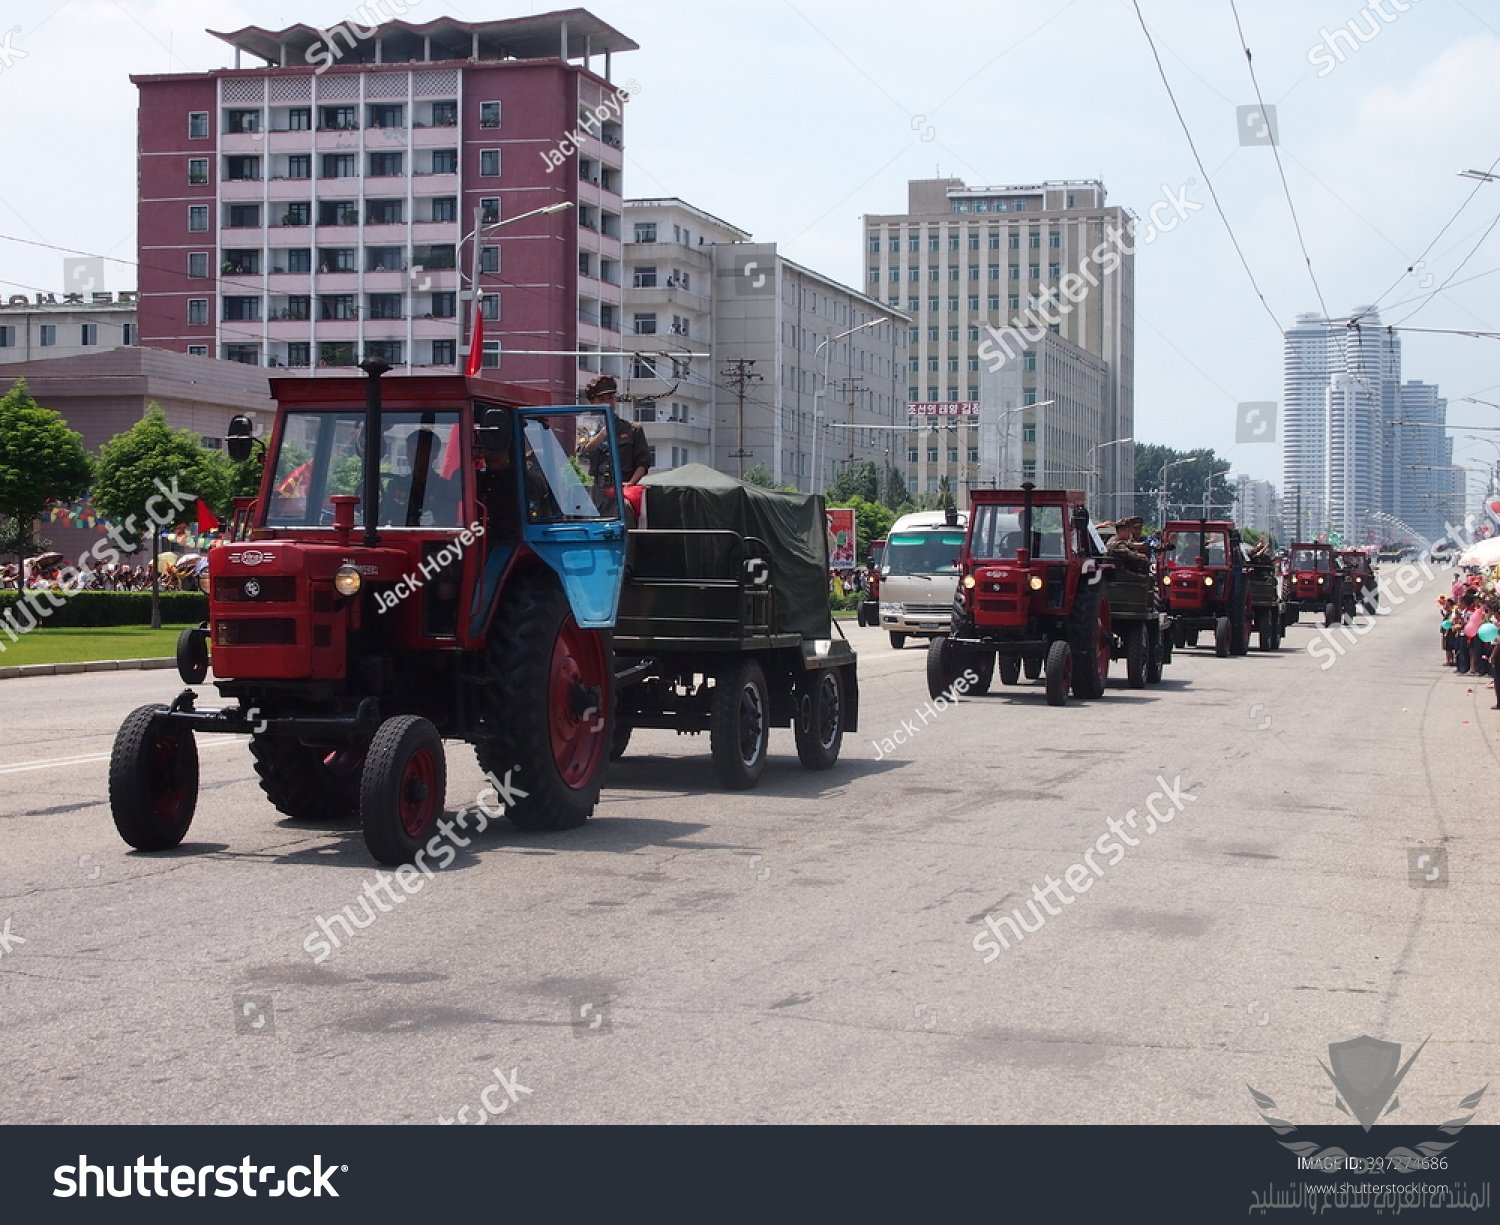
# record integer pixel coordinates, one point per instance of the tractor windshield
(997, 532)
(925, 552)
(322, 455)
(1311, 559)
(1185, 549)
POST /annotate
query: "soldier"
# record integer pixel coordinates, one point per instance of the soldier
(635, 451)
(1127, 548)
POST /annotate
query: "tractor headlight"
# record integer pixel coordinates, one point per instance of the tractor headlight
(349, 582)
(1166, 580)
(1208, 580)
(970, 582)
(1036, 582)
(1321, 581)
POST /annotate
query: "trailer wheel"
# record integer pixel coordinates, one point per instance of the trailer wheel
(153, 780)
(1010, 670)
(1059, 672)
(1093, 643)
(819, 727)
(898, 642)
(739, 726)
(401, 789)
(306, 783)
(1156, 654)
(192, 656)
(1330, 615)
(1032, 666)
(1223, 637)
(550, 710)
(620, 739)
(1137, 655)
(942, 666)
(1239, 641)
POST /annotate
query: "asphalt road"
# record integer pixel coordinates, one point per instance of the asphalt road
(805, 952)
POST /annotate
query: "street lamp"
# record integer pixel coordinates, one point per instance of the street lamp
(481, 229)
(1167, 467)
(822, 387)
(1007, 414)
(1484, 176)
(1094, 465)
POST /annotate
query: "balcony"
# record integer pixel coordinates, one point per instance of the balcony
(242, 142)
(667, 295)
(233, 190)
(427, 184)
(295, 191)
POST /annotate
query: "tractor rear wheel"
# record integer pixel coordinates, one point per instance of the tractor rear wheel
(1059, 672)
(153, 780)
(1223, 637)
(1137, 655)
(739, 725)
(1032, 666)
(305, 783)
(549, 710)
(1010, 670)
(1092, 643)
(1192, 639)
(819, 727)
(619, 741)
(401, 789)
(942, 666)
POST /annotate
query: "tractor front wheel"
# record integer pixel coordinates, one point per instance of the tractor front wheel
(550, 714)
(1059, 673)
(739, 726)
(942, 666)
(1137, 655)
(819, 729)
(153, 780)
(401, 789)
(1157, 651)
(982, 664)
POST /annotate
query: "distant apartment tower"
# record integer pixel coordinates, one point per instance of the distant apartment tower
(970, 263)
(1255, 505)
(321, 209)
(1341, 378)
(39, 328)
(668, 323)
(1422, 458)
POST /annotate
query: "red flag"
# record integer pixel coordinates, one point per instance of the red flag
(452, 453)
(476, 344)
(207, 520)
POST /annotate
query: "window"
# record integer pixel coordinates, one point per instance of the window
(914, 365)
(489, 209)
(386, 165)
(953, 365)
(1028, 470)
(339, 118)
(973, 242)
(385, 212)
(953, 273)
(973, 365)
(444, 305)
(952, 304)
(197, 316)
(489, 307)
(1034, 272)
(244, 217)
(445, 208)
(340, 166)
(299, 355)
(198, 218)
(953, 242)
(875, 246)
(197, 171)
(1034, 241)
(973, 455)
(387, 115)
(932, 335)
(7, 337)
(298, 214)
(88, 334)
(489, 114)
(1028, 432)
(489, 163)
(299, 119)
(198, 265)
(953, 452)
(932, 452)
(241, 310)
(1015, 242)
(444, 352)
(299, 166)
(338, 306)
(913, 335)
(298, 309)
(1054, 271)
(241, 169)
(645, 325)
(489, 259)
(198, 125)
(338, 353)
(585, 264)
(197, 350)
(953, 335)
(445, 161)
(645, 278)
(392, 352)
(241, 121)
(935, 243)
(445, 114)
(1054, 241)
(385, 306)
(973, 334)
(874, 274)
(934, 304)
(1014, 302)
(338, 259)
(645, 231)
(338, 212)
(913, 394)
(973, 272)
(127, 334)
(914, 245)
(974, 303)
(1030, 361)
(932, 365)
(912, 455)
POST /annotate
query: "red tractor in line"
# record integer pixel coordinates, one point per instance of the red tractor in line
(1205, 585)
(1359, 578)
(1316, 583)
(1032, 595)
(423, 564)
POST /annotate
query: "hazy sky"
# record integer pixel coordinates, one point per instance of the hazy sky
(793, 118)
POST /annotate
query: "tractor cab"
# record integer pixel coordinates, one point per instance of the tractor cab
(1201, 569)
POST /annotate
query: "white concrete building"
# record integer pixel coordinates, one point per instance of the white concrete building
(42, 327)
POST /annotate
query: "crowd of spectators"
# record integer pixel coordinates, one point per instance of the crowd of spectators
(1470, 627)
(113, 577)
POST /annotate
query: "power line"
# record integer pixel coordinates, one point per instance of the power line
(1276, 153)
(1453, 275)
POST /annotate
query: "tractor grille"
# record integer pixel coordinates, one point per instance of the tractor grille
(258, 633)
(1001, 606)
(276, 589)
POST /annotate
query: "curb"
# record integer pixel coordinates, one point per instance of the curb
(108, 665)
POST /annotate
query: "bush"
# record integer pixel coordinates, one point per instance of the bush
(845, 604)
(102, 609)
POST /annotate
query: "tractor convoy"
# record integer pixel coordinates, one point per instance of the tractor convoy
(426, 563)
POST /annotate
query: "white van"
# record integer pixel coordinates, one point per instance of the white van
(919, 575)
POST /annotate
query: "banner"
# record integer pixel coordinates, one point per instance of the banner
(947, 408)
(843, 543)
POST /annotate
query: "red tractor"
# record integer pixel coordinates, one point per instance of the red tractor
(1359, 579)
(1032, 594)
(1316, 583)
(1205, 585)
(423, 564)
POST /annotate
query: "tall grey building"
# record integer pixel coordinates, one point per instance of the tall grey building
(1421, 459)
(986, 273)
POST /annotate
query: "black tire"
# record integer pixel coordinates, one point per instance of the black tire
(1265, 628)
(982, 664)
(192, 656)
(402, 789)
(1192, 639)
(1156, 655)
(819, 725)
(1223, 637)
(1330, 615)
(1059, 672)
(1179, 636)
(1010, 670)
(1084, 638)
(1137, 655)
(1031, 667)
(942, 666)
(308, 784)
(740, 725)
(554, 732)
(153, 780)
(619, 739)
(1239, 638)
(898, 642)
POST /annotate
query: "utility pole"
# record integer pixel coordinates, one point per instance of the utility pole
(740, 377)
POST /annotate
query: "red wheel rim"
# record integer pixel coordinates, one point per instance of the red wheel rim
(419, 799)
(168, 787)
(578, 693)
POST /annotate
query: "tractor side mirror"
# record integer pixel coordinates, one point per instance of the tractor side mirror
(495, 433)
(239, 443)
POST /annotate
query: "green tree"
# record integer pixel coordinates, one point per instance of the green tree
(1186, 480)
(855, 481)
(872, 519)
(41, 459)
(760, 475)
(896, 494)
(148, 478)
